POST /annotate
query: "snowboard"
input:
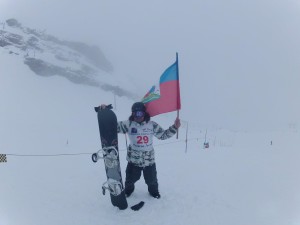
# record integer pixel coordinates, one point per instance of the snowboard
(107, 121)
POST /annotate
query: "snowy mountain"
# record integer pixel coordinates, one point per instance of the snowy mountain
(47, 56)
(48, 131)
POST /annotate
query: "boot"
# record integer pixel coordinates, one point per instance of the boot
(155, 194)
(128, 192)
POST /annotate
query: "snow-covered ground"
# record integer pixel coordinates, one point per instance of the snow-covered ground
(240, 180)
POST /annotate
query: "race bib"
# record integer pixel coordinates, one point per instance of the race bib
(141, 137)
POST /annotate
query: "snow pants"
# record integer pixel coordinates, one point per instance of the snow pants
(133, 174)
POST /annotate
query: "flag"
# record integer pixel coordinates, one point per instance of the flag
(165, 95)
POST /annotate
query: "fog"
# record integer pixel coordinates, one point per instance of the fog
(238, 60)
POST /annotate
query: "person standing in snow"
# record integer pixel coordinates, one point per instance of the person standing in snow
(140, 152)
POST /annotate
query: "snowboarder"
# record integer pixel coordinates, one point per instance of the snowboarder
(140, 152)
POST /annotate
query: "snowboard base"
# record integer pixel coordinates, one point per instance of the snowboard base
(107, 122)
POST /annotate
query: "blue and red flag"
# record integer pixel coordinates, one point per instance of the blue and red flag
(164, 96)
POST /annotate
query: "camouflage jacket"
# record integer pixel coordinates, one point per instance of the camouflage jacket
(140, 151)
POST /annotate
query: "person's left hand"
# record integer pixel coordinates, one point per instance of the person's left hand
(177, 123)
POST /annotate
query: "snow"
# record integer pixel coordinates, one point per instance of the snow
(240, 180)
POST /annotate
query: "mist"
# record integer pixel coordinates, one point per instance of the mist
(238, 60)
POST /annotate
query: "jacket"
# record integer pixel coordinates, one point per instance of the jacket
(140, 151)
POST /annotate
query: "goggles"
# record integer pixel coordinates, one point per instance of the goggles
(138, 114)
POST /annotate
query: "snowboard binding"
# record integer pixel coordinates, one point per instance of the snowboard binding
(115, 187)
(109, 154)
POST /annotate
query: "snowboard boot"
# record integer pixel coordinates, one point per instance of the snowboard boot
(155, 194)
(128, 192)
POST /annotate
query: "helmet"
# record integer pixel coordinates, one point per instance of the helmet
(138, 106)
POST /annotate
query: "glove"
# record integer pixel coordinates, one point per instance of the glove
(177, 123)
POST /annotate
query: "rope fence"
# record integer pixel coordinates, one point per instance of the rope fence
(3, 156)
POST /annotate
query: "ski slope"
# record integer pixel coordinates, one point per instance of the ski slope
(49, 131)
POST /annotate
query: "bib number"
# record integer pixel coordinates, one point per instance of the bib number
(142, 139)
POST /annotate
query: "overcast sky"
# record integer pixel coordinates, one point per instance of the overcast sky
(238, 59)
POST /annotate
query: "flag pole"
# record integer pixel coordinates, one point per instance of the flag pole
(178, 92)
(178, 127)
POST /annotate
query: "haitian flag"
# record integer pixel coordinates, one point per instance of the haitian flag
(164, 96)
